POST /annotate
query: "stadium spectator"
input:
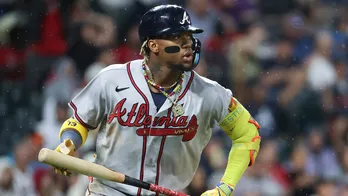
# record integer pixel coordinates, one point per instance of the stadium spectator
(6, 177)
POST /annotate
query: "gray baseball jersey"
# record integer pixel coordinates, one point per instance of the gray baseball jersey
(139, 141)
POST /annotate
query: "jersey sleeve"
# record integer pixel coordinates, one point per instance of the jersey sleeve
(89, 104)
(221, 102)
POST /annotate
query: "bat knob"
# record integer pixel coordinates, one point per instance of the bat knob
(43, 154)
(67, 147)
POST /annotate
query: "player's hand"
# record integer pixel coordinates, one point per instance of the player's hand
(66, 147)
(220, 190)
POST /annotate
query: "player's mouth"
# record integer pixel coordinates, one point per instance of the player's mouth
(188, 56)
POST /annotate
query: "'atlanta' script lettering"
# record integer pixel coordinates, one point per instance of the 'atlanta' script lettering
(138, 117)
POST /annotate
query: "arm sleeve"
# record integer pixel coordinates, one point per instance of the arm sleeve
(74, 136)
(242, 129)
(89, 105)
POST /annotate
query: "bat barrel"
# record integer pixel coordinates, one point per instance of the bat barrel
(77, 165)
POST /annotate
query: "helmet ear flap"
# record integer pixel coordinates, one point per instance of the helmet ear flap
(196, 47)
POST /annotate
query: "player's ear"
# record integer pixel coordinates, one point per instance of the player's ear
(153, 46)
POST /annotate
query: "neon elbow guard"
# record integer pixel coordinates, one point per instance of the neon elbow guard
(243, 131)
(72, 129)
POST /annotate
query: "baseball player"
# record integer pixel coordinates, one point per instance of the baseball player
(155, 115)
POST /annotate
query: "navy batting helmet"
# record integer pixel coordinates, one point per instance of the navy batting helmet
(165, 20)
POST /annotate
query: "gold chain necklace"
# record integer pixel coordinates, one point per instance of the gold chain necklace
(178, 110)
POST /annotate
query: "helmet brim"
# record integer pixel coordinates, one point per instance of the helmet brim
(194, 30)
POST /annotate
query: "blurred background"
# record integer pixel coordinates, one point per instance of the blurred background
(285, 60)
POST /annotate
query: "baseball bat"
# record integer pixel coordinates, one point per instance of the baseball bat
(87, 168)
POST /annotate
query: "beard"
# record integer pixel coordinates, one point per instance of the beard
(182, 67)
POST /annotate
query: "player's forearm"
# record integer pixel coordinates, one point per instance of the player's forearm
(73, 136)
(243, 131)
(240, 157)
(73, 130)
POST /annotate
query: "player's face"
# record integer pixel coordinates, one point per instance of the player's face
(181, 59)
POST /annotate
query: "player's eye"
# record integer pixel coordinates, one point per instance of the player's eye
(176, 37)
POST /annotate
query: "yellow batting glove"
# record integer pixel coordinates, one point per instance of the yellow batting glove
(221, 190)
(66, 147)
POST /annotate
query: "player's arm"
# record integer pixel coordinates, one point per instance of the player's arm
(243, 131)
(89, 110)
(72, 136)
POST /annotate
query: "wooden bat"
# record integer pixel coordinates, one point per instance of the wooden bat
(87, 168)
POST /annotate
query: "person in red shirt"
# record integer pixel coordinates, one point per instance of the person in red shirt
(129, 49)
(47, 36)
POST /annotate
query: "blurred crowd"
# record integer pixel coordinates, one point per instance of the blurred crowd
(286, 61)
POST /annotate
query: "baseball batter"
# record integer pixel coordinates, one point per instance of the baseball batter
(155, 115)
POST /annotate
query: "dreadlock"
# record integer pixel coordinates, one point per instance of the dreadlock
(144, 51)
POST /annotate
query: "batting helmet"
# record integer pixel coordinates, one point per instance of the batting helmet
(165, 20)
